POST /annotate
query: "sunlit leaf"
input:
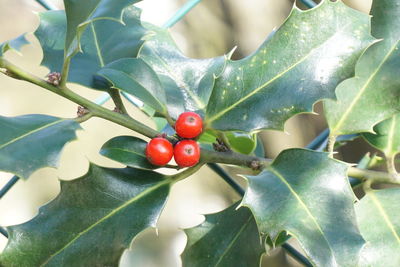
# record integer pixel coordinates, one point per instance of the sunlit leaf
(378, 215)
(299, 65)
(308, 195)
(387, 136)
(373, 94)
(187, 82)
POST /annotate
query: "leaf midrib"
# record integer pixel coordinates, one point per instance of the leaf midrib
(30, 133)
(112, 213)
(126, 150)
(276, 77)
(335, 129)
(304, 206)
(386, 218)
(96, 43)
(230, 245)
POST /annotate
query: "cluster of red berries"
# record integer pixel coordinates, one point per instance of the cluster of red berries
(159, 151)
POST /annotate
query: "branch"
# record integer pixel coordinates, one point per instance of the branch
(372, 176)
(116, 97)
(233, 158)
(207, 156)
(96, 110)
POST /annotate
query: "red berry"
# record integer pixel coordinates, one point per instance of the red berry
(159, 151)
(189, 125)
(187, 153)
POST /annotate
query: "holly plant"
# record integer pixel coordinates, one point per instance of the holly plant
(208, 113)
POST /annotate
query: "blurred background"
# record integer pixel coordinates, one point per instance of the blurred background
(211, 29)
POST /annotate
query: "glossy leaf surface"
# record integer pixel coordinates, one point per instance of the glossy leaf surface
(102, 42)
(31, 142)
(187, 82)
(387, 137)
(242, 142)
(80, 14)
(374, 94)
(308, 195)
(135, 77)
(299, 65)
(91, 221)
(379, 220)
(226, 238)
(128, 150)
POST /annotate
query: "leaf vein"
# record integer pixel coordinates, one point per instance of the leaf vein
(29, 133)
(112, 213)
(362, 90)
(384, 215)
(304, 206)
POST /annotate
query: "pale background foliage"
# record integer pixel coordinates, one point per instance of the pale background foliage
(211, 29)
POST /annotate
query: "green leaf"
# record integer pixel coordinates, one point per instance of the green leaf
(14, 44)
(226, 238)
(241, 142)
(187, 82)
(135, 77)
(128, 150)
(378, 215)
(387, 137)
(31, 142)
(373, 94)
(103, 41)
(299, 65)
(308, 195)
(82, 14)
(91, 221)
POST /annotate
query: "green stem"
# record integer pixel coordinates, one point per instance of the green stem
(390, 164)
(84, 118)
(372, 176)
(116, 97)
(96, 110)
(65, 73)
(233, 158)
(207, 156)
(224, 139)
(331, 145)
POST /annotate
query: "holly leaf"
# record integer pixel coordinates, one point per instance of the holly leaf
(187, 82)
(308, 195)
(91, 221)
(128, 150)
(376, 84)
(226, 238)
(31, 142)
(299, 65)
(14, 44)
(135, 77)
(82, 14)
(378, 215)
(387, 136)
(103, 41)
